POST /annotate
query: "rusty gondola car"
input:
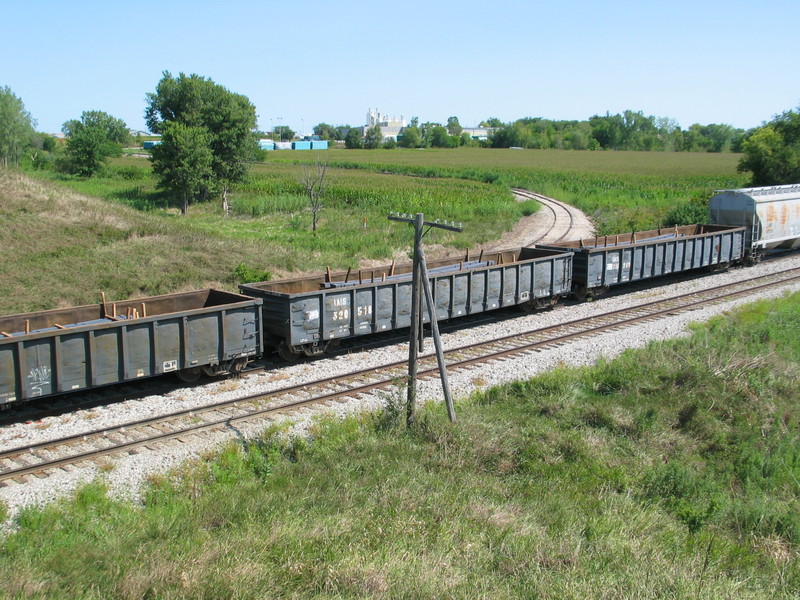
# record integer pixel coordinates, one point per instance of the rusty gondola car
(55, 351)
(307, 315)
(604, 261)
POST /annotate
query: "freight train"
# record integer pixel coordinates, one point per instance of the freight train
(215, 332)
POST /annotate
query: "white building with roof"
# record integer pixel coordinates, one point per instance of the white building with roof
(390, 127)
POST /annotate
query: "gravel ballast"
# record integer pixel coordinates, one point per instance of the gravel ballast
(126, 474)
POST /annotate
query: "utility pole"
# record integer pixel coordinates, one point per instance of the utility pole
(420, 285)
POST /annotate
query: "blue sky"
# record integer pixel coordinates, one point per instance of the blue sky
(302, 62)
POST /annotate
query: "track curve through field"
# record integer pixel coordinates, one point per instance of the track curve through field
(556, 221)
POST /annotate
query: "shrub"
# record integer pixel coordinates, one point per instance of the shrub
(766, 517)
(131, 172)
(689, 213)
(245, 274)
(692, 496)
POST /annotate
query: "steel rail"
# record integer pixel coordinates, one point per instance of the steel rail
(550, 203)
(653, 310)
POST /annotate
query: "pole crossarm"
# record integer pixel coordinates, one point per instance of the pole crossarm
(403, 217)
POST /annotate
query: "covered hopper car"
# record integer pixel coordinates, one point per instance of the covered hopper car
(769, 215)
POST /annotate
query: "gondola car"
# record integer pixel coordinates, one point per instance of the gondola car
(604, 261)
(307, 315)
(62, 350)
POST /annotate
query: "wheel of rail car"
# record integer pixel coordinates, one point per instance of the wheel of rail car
(189, 375)
(546, 302)
(753, 259)
(313, 350)
(598, 291)
(718, 267)
(580, 293)
(238, 365)
(286, 353)
(537, 304)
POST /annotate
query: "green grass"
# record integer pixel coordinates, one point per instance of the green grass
(669, 472)
(65, 249)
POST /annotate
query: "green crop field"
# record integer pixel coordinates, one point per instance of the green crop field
(620, 190)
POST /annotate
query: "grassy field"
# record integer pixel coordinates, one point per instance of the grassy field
(117, 234)
(69, 240)
(670, 472)
(622, 191)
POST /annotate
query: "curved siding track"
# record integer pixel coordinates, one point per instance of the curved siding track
(556, 222)
(563, 222)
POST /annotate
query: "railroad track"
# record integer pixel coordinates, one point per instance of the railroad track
(563, 218)
(89, 447)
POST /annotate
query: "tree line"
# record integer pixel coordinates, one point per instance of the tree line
(629, 130)
(209, 135)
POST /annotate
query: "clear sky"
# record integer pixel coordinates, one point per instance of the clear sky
(302, 62)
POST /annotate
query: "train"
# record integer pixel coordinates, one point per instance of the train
(214, 332)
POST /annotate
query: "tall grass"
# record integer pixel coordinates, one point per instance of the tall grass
(621, 191)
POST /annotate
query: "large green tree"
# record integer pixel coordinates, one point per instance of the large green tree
(373, 137)
(183, 161)
(353, 141)
(16, 127)
(92, 140)
(772, 152)
(284, 133)
(453, 126)
(411, 137)
(228, 119)
(438, 137)
(325, 131)
(492, 122)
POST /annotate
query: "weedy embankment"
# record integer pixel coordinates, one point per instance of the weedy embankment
(670, 471)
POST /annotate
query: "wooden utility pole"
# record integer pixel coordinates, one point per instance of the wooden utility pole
(421, 285)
